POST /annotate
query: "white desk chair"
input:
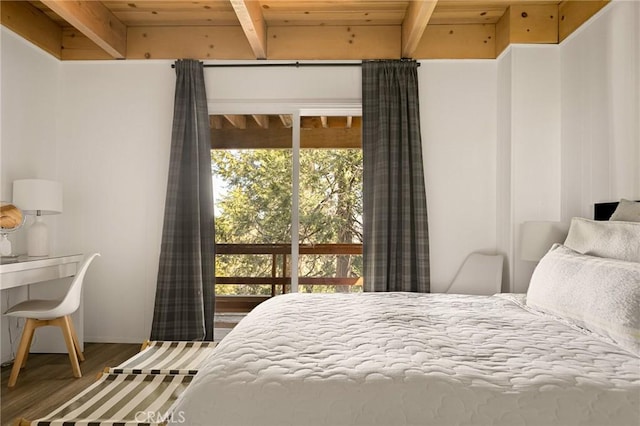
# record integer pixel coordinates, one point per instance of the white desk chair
(479, 274)
(40, 313)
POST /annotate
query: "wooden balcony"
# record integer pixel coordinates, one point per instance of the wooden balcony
(280, 278)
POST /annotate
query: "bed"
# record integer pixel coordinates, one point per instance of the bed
(438, 359)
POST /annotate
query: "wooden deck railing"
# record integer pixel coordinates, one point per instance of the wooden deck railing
(280, 276)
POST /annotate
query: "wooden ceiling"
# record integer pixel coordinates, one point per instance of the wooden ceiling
(283, 29)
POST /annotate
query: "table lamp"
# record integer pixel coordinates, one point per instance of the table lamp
(537, 237)
(38, 197)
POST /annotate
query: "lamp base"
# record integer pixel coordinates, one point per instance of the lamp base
(5, 245)
(38, 239)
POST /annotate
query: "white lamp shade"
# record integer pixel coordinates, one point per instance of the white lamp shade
(38, 195)
(537, 237)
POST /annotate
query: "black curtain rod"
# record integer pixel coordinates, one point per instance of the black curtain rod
(285, 64)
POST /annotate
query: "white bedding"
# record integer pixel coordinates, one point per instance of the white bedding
(410, 359)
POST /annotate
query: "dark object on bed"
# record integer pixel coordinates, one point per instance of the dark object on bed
(603, 211)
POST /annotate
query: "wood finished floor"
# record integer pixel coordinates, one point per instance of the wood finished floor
(47, 381)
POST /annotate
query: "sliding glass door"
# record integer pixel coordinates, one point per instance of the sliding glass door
(288, 204)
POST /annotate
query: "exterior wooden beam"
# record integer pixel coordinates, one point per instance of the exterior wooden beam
(238, 121)
(261, 120)
(215, 122)
(256, 138)
(414, 24)
(252, 23)
(94, 20)
(287, 121)
(32, 24)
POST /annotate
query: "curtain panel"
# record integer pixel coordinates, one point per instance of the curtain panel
(396, 236)
(184, 304)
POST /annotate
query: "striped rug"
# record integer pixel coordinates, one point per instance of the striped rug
(120, 399)
(167, 358)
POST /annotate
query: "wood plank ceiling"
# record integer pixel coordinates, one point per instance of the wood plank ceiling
(292, 30)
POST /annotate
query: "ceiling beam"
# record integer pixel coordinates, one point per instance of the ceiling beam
(237, 121)
(334, 42)
(528, 24)
(252, 22)
(414, 24)
(94, 20)
(262, 120)
(76, 45)
(199, 42)
(32, 24)
(533, 23)
(472, 41)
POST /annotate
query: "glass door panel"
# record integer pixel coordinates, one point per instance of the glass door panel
(330, 211)
(252, 179)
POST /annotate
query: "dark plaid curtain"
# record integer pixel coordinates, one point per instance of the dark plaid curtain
(396, 238)
(185, 293)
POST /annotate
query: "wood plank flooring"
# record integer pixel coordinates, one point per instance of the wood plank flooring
(47, 381)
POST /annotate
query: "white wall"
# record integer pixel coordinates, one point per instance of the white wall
(504, 213)
(114, 140)
(529, 148)
(600, 74)
(29, 120)
(282, 85)
(458, 123)
(29, 106)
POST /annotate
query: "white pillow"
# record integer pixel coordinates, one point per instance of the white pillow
(601, 295)
(627, 210)
(613, 239)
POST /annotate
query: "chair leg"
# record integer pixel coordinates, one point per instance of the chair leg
(26, 354)
(23, 349)
(76, 343)
(63, 323)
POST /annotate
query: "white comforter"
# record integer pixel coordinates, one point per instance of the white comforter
(410, 359)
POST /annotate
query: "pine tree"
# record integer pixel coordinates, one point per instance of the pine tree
(256, 209)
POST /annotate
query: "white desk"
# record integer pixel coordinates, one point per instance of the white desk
(28, 270)
(31, 270)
